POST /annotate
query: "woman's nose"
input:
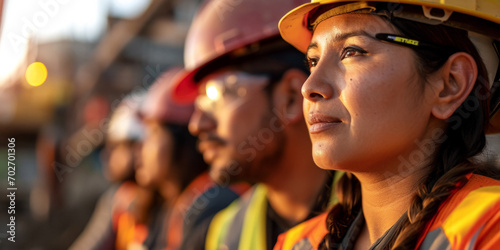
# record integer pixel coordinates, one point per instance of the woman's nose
(317, 86)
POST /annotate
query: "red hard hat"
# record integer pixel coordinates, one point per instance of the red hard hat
(159, 104)
(228, 27)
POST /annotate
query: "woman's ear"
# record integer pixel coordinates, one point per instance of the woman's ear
(456, 78)
(287, 96)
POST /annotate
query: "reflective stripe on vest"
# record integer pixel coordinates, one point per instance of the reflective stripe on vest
(129, 232)
(242, 225)
(461, 221)
(462, 227)
(306, 235)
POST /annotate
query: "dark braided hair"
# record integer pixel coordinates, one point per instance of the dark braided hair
(187, 161)
(464, 138)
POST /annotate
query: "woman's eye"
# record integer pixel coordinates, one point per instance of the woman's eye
(352, 51)
(311, 62)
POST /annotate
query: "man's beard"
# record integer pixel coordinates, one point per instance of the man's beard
(267, 157)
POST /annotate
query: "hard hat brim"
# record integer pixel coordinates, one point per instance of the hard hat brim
(186, 90)
(187, 87)
(294, 29)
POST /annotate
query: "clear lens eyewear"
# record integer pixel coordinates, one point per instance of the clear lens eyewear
(229, 91)
(415, 44)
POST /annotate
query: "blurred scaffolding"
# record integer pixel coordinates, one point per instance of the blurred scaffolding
(60, 125)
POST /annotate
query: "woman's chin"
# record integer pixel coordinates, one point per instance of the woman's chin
(324, 161)
(321, 155)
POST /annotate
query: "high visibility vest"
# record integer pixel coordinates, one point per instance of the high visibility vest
(128, 230)
(306, 235)
(468, 219)
(193, 191)
(242, 225)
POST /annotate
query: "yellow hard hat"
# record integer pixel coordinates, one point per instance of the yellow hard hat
(294, 27)
(481, 18)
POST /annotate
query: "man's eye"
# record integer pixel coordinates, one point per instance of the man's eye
(352, 51)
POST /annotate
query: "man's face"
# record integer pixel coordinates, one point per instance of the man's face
(232, 119)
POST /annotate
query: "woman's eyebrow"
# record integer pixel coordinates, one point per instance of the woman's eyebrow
(343, 36)
(312, 45)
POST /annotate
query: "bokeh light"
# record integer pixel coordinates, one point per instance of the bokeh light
(36, 74)
(212, 92)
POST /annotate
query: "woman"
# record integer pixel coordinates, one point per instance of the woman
(172, 165)
(169, 162)
(123, 211)
(398, 99)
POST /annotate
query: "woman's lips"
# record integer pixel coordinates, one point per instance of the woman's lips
(320, 122)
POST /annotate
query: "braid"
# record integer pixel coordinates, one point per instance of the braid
(426, 204)
(452, 160)
(447, 175)
(340, 217)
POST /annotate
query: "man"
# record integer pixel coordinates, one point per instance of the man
(246, 82)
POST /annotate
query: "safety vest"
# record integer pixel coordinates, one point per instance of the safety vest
(128, 230)
(242, 225)
(469, 219)
(306, 235)
(193, 191)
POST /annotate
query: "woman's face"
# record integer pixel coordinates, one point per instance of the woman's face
(156, 156)
(365, 104)
(120, 161)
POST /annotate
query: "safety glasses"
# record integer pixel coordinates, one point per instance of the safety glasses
(229, 91)
(415, 44)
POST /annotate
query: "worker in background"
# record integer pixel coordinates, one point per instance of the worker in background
(125, 206)
(245, 82)
(172, 165)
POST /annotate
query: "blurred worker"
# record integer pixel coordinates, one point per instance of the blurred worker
(125, 201)
(248, 116)
(170, 162)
